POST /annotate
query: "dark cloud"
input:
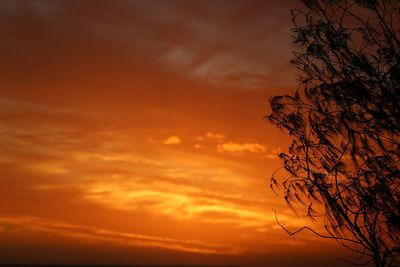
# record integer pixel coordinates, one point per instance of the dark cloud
(233, 43)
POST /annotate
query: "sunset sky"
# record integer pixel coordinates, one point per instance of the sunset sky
(132, 132)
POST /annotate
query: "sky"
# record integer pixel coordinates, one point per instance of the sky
(132, 132)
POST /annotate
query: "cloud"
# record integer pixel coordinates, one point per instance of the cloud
(182, 186)
(234, 70)
(179, 201)
(241, 147)
(179, 57)
(216, 136)
(197, 146)
(227, 43)
(86, 233)
(126, 175)
(211, 136)
(172, 140)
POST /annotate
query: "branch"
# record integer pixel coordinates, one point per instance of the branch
(293, 234)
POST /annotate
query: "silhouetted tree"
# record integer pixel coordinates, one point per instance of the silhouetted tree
(344, 122)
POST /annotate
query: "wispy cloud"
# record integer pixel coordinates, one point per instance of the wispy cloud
(180, 201)
(183, 187)
(234, 49)
(86, 233)
(241, 147)
(215, 136)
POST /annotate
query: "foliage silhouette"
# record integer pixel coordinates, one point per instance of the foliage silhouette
(344, 122)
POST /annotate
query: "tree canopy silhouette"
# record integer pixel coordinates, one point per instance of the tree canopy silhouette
(344, 122)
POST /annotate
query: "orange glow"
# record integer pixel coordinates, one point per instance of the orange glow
(137, 126)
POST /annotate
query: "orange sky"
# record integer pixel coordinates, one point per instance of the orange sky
(131, 132)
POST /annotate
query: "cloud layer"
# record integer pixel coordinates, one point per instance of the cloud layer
(137, 126)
